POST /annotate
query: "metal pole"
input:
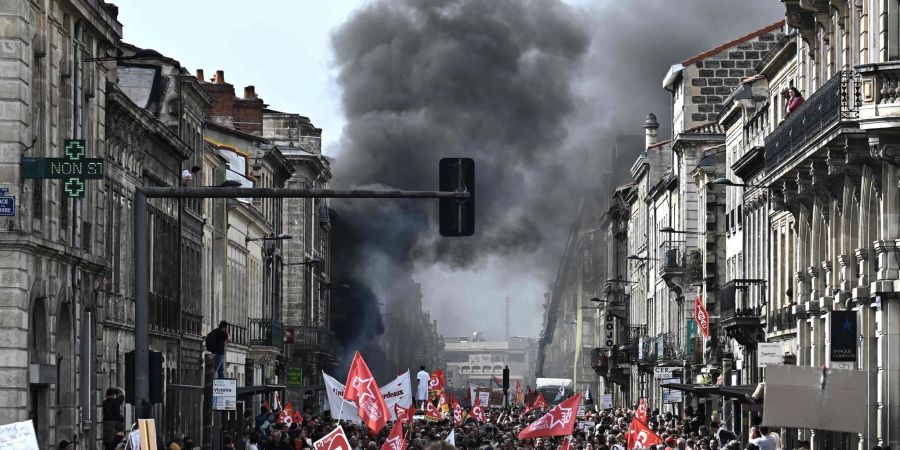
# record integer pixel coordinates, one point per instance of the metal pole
(234, 192)
(141, 309)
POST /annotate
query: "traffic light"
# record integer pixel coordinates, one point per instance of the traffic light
(506, 378)
(457, 216)
(156, 377)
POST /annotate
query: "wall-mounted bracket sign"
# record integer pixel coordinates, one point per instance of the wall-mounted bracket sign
(74, 168)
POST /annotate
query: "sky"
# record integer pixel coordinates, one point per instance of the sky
(286, 49)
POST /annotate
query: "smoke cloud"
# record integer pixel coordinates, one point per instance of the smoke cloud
(536, 91)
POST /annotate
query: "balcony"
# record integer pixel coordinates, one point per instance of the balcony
(191, 323)
(782, 319)
(836, 102)
(671, 258)
(266, 333)
(313, 339)
(237, 334)
(740, 322)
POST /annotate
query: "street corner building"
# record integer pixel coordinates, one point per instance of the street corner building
(67, 265)
(763, 232)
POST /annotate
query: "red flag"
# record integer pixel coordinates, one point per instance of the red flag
(701, 316)
(394, 440)
(403, 415)
(641, 413)
(431, 412)
(560, 421)
(442, 403)
(478, 411)
(436, 383)
(267, 405)
(458, 414)
(289, 416)
(362, 390)
(539, 402)
(566, 444)
(639, 436)
(336, 440)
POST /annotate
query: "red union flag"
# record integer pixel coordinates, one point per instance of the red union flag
(459, 415)
(436, 383)
(336, 440)
(641, 413)
(362, 390)
(639, 436)
(539, 402)
(560, 421)
(395, 440)
(431, 412)
(701, 316)
(478, 411)
(404, 415)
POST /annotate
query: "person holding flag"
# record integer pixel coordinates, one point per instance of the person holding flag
(362, 390)
(641, 436)
(478, 411)
(539, 402)
(395, 440)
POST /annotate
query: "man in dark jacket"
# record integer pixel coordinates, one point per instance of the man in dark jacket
(215, 344)
(112, 416)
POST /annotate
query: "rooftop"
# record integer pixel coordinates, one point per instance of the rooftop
(732, 43)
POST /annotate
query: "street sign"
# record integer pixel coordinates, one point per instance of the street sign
(224, 394)
(294, 377)
(7, 204)
(74, 168)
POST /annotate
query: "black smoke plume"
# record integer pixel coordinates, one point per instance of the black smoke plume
(536, 91)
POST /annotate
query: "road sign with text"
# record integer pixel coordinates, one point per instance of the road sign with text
(74, 168)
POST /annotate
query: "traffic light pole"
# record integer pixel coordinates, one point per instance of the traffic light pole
(141, 253)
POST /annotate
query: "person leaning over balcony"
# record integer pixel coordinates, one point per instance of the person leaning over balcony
(795, 100)
(215, 344)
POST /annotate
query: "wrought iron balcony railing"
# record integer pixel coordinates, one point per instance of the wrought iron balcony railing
(836, 101)
(237, 334)
(314, 339)
(266, 332)
(192, 323)
(671, 257)
(782, 319)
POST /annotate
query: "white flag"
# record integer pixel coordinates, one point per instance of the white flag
(451, 438)
(560, 394)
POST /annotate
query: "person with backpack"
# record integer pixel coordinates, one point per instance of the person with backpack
(215, 344)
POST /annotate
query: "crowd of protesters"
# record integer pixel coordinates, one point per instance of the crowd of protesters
(604, 430)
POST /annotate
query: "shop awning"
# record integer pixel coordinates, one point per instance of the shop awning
(247, 391)
(742, 392)
(696, 389)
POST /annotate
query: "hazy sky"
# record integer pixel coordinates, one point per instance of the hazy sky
(283, 48)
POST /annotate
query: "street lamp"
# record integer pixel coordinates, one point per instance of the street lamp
(639, 258)
(722, 181)
(280, 237)
(308, 262)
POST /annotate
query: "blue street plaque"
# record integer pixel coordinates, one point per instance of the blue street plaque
(7, 204)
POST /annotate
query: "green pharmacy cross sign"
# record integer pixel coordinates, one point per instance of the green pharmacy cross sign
(74, 168)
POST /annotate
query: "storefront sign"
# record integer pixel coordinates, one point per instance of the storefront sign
(844, 336)
(294, 377)
(769, 353)
(661, 373)
(608, 337)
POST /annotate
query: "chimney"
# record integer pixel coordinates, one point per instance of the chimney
(651, 130)
(200, 75)
(220, 76)
(249, 92)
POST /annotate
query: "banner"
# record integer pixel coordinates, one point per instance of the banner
(640, 436)
(397, 392)
(395, 440)
(18, 436)
(436, 383)
(701, 316)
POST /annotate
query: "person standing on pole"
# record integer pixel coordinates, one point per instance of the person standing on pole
(422, 389)
(215, 344)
